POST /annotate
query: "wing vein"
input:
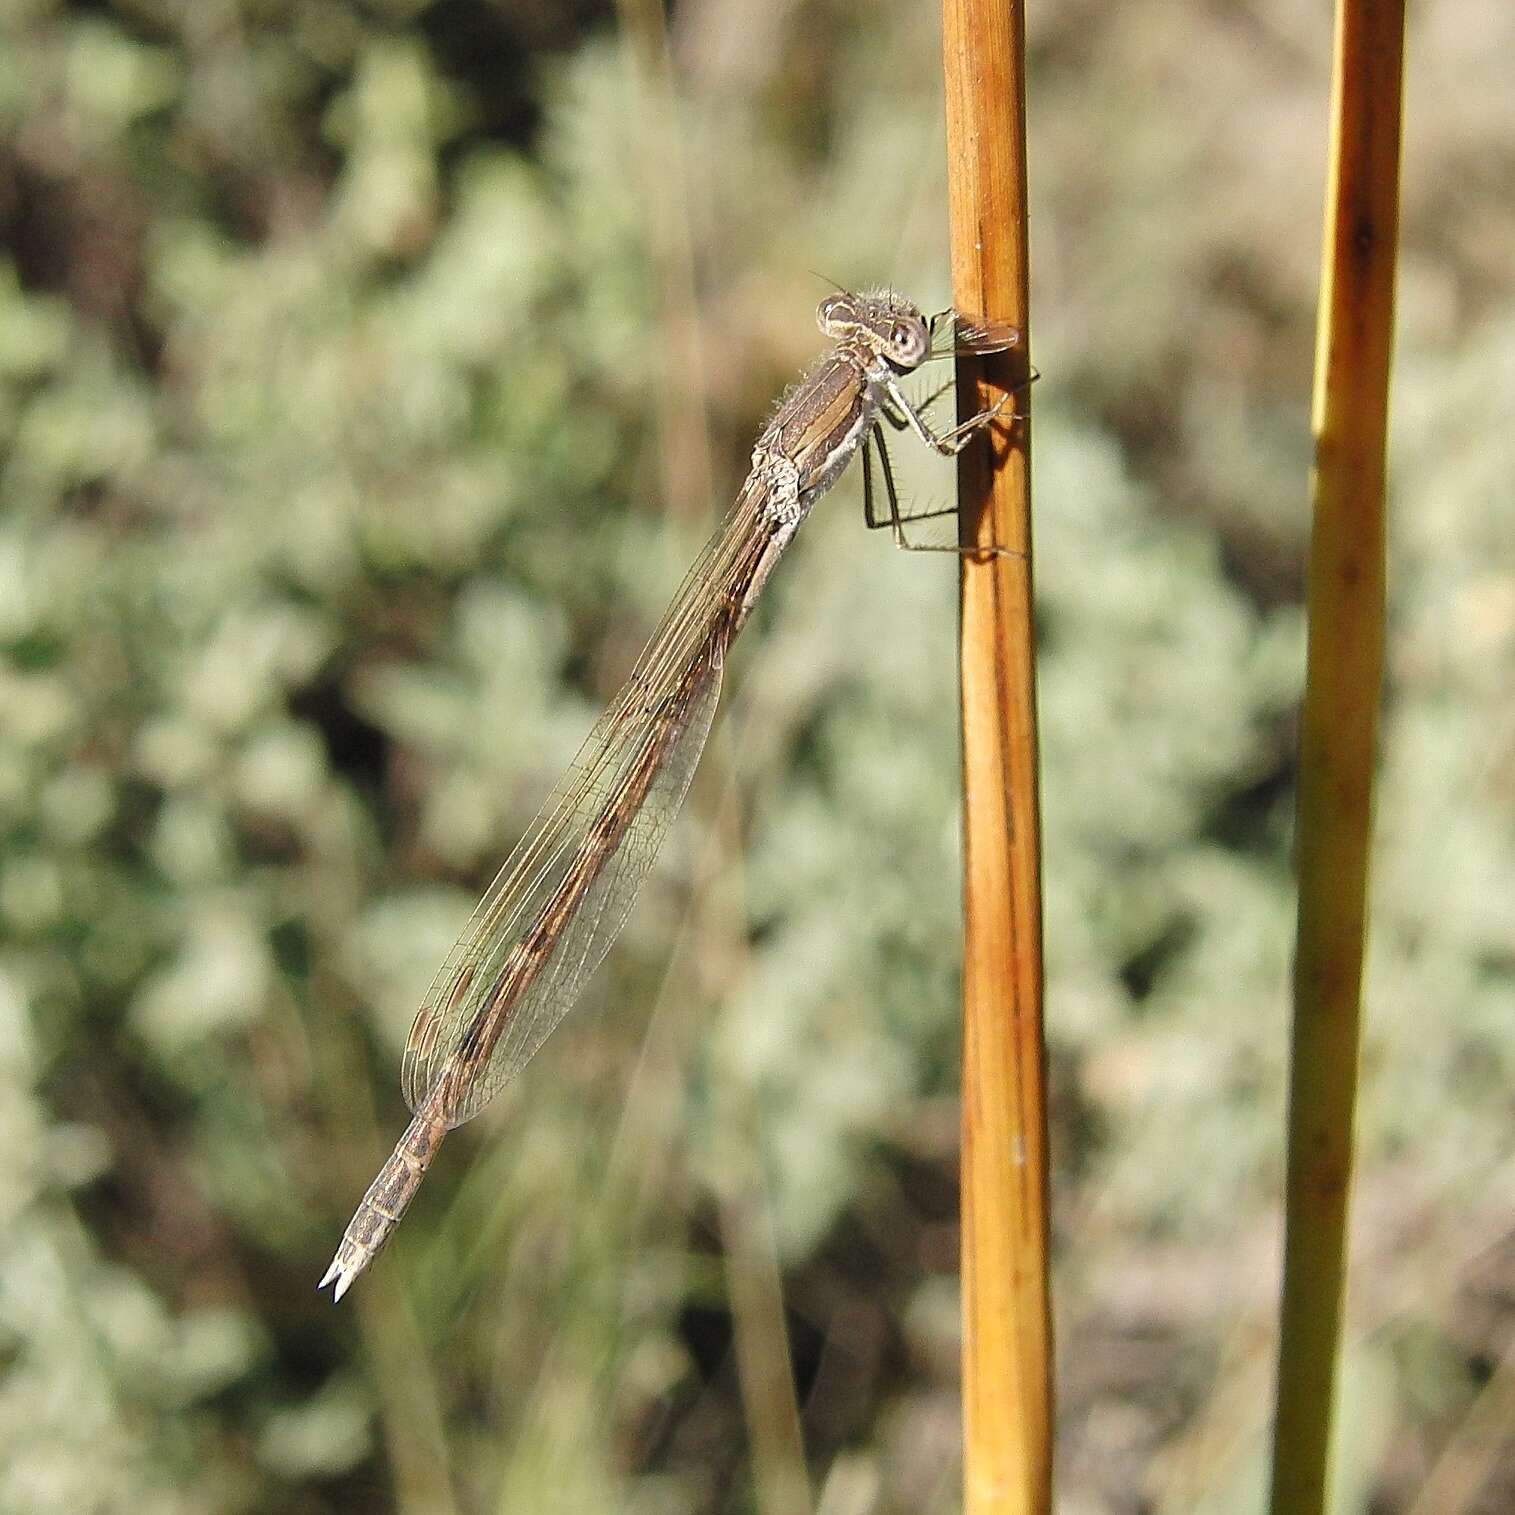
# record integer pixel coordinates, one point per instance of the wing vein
(562, 897)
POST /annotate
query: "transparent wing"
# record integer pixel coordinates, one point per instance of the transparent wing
(985, 336)
(480, 959)
(659, 721)
(964, 335)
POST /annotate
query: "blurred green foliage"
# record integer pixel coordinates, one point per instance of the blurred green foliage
(343, 351)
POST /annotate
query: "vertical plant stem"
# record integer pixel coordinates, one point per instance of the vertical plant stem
(402, 1367)
(1346, 615)
(1007, 1335)
(769, 1398)
(415, 1434)
(781, 1485)
(661, 152)
(754, 1275)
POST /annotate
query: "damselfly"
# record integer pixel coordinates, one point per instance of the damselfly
(563, 896)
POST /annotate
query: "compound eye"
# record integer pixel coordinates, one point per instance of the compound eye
(834, 314)
(905, 340)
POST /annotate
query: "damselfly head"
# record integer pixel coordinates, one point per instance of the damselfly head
(883, 323)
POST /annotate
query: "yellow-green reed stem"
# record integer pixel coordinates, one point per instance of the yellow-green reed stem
(1346, 619)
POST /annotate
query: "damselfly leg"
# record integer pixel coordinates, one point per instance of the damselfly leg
(902, 415)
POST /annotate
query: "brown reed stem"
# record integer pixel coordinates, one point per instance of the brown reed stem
(1007, 1334)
